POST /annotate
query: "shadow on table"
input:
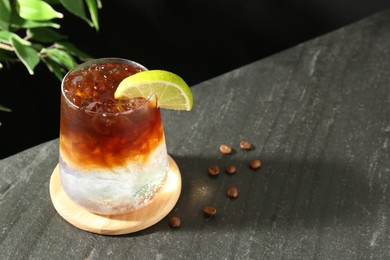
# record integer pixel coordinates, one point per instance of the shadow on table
(305, 194)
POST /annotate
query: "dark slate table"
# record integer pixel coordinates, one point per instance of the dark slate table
(318, 115)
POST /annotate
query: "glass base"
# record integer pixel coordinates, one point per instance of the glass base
(160, 206)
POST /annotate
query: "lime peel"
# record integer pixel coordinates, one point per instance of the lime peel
(171, 90)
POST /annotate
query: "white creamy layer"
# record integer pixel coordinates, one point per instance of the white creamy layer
(118, 190)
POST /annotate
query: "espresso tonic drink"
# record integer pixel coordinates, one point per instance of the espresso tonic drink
(113, 157)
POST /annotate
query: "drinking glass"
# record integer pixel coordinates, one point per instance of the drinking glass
(113, 157)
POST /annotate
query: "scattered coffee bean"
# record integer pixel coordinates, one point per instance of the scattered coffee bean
(231, 169)
(213, 170)
(232, 192)
(174, 222)
(210, 211)
(225, 149)
(255, 164)
(245, 145)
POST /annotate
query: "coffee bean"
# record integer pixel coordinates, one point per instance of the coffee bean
(213, 170)
(174, 222)
(210, 211)
(225, 149)
(232, 192)
(255, 164)
(245, 145)
(231, 169)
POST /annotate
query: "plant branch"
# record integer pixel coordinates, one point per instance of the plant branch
(6, 47)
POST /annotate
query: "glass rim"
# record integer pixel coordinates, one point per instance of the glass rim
(100, 61)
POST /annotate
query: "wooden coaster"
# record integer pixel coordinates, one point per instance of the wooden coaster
(159, 207)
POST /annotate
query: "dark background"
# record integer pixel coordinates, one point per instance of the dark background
(196, 39)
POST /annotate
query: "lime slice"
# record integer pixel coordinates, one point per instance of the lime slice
(172, 91)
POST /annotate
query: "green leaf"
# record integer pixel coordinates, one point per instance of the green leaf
(52, 2)
(27, 54)
(93, 11)
(55, 68)
(36, 10)
(5, 56)
(21, 23)
(61, 57)
(45, 35)
(5, 14)
(5, 109)
(5, 36)
(18, 22)
(72, 49)
(77, 8)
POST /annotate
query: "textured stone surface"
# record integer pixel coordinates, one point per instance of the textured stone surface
(318, 116)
